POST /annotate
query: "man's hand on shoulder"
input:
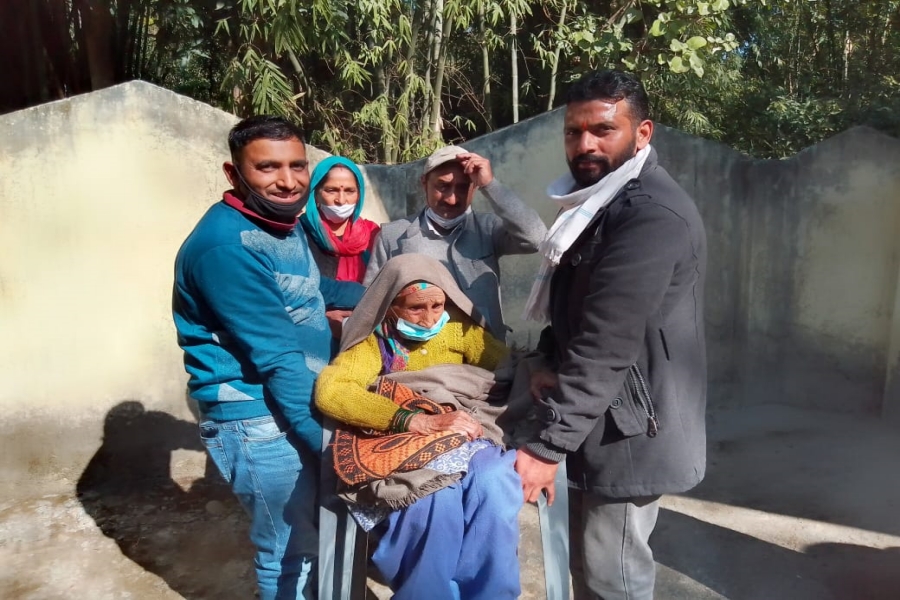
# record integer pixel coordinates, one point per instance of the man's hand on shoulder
(537, 475)
(477, 168)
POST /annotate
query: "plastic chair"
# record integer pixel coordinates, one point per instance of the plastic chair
(342, 552)
(339, 555)
(554, 522)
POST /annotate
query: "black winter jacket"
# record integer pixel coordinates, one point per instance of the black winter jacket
(626, 334)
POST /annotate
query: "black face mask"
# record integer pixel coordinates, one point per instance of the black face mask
(273, 211)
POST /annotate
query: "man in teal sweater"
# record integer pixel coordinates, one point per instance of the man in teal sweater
(249, 307)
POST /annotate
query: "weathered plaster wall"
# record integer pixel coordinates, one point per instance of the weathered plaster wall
(802, 290)
(525, 158)
(820, 275)
(528, 156)
(97, 193)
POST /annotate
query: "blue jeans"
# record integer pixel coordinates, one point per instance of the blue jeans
(275, 479)
(459, 542)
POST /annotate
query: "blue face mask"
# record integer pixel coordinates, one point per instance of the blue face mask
(417, 333)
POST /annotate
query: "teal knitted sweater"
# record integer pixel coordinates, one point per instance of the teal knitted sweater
(249, 308)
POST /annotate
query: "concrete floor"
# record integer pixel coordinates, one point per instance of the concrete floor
(796, 505)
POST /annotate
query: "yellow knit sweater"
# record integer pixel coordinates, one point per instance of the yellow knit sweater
(341, 389)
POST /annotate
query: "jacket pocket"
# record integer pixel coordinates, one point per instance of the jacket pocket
(633, 411)
(623, 414)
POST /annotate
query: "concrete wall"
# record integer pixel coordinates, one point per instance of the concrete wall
(820, 277)
(97, 193)
(525, 158)
(803, 258)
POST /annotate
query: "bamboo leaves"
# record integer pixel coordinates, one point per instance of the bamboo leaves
(388, 80)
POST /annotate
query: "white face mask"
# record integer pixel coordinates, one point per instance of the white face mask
(446, 223)
(337, 214)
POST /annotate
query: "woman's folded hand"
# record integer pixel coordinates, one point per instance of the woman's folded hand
(456, 421)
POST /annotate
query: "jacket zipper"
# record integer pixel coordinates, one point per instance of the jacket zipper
(642, 394)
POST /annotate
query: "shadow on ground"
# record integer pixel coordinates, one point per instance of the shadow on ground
(192, 534)
(829, 467)
(742, 567)
(797, 505)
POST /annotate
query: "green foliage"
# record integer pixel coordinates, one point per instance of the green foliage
(813, 69)
(683, 35)
(388, 80)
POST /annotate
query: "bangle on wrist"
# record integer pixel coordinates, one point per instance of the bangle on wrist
(400, 420)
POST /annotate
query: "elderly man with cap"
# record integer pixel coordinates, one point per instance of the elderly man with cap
(469, 244)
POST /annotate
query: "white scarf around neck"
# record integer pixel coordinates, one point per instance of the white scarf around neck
(577, 210)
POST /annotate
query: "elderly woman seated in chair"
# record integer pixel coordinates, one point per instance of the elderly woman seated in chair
(460, 541)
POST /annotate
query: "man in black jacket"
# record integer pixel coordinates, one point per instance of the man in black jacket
(622, 285)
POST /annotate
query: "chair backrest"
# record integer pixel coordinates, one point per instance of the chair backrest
(555, 538)
(337, 534)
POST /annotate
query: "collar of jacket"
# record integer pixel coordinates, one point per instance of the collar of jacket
(651, 162)
(649, 165)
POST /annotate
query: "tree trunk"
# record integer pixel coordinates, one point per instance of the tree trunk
(387, 132)
(436, 120)
(390, 144)
(832, 44)
(514, 64)
(433, 38)
(554, 69)
(848, 49)
(888, 19)
(486, 69)
(37, 60)
(876, 53)
(57, 40)
(144, 43)
(405, 100)
(818, 65)
(97, 23)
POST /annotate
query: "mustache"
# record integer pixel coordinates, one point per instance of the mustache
(591, 159)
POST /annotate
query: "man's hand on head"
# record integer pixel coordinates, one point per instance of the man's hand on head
(477, 168)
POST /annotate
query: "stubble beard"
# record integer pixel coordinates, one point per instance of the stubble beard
(608, 165)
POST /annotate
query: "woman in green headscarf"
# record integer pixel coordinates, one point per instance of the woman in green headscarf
(340, 240)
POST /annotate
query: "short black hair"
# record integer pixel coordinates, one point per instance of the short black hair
(612, 85)
(266, 127)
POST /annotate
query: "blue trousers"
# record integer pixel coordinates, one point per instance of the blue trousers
(459, 543)
(275, 479)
